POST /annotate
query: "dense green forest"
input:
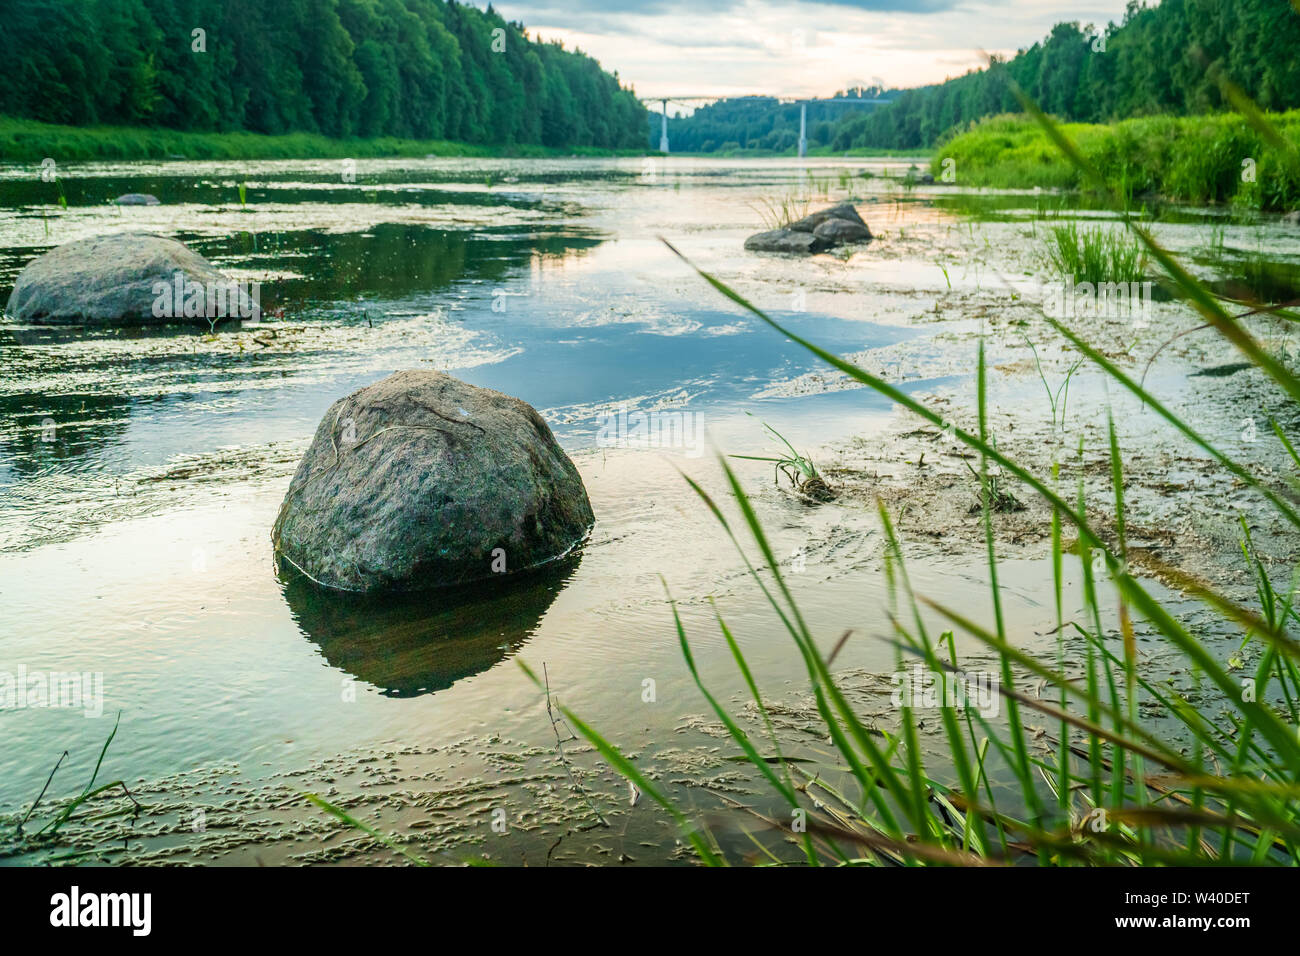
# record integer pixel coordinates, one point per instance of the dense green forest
(1163, 59)
(418, 69)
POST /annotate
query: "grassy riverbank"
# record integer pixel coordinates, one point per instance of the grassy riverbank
(28, 141)
(1198, 159)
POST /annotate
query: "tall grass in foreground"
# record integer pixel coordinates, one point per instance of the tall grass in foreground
(1220, 785)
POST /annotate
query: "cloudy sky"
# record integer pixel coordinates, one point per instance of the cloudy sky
(794, 48)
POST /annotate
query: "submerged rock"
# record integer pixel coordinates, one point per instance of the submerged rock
(136, 199)
(822, 230)
(126, 279)
(422, 481)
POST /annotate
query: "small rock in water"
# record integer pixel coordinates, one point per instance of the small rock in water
(136, 199)
(845, 212)
(401, 492)
(822, 230)
(836, 231)
(785, 240)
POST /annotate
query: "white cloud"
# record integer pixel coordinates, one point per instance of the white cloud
(798, 48)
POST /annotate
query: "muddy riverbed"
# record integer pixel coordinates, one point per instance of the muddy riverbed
(140, 476)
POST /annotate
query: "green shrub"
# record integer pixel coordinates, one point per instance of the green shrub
(1194, 159)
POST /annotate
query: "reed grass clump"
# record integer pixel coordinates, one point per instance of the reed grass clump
(777, 212)
(1097, 254)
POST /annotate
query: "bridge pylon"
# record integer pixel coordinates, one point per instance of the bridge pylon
(663, 102)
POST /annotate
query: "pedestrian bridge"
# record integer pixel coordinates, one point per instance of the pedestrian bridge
(687, 100)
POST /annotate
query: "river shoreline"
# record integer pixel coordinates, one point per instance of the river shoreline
(31, 142)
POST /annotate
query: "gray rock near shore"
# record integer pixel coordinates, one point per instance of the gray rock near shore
(836, 231)
(822, 230)
(1292, 218)
(127, 279)
(844, 212)
(422, 481)
(136, 199)
(786, 240)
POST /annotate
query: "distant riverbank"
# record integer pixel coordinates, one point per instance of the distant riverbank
(814, 152)
(29, 141)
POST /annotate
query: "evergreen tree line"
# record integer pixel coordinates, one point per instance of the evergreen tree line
(1163, 59)
(420, 69)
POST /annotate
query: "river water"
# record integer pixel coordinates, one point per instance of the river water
(141, 474)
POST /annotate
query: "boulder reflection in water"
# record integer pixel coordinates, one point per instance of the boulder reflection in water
(411, 644)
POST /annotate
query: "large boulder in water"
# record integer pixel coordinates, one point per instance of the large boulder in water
(822, 230)
(127, 279)
(422, 481)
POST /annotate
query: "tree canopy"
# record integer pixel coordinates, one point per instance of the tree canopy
(420, 69)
